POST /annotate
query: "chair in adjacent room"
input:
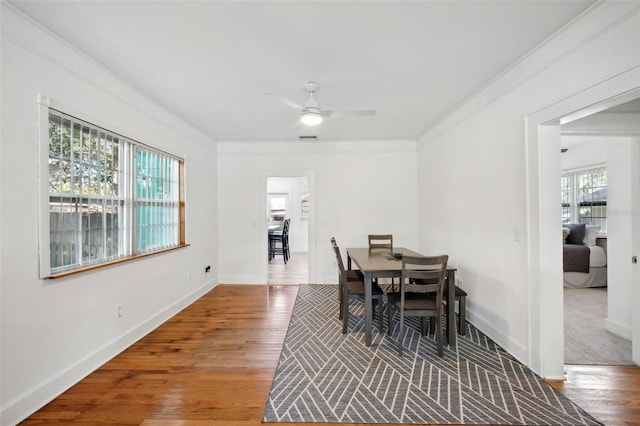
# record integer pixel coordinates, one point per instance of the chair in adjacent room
(351, 285)
(420, 295)
(279, 242)
(285, 239)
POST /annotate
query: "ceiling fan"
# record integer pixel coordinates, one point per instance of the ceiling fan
(311, 114)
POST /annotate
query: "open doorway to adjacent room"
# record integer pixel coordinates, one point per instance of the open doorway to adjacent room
(598, 190)
(288, 201)
(545, 130)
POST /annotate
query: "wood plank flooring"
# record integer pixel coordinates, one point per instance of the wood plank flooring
(212, 364)
(295, 271)
(611, 394)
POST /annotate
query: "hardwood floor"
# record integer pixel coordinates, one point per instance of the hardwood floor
(212, 364)
(611, 394)
(296, 271)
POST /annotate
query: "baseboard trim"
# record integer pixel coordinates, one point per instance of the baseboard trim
(514, 347)
(618, 329)
(31, 402)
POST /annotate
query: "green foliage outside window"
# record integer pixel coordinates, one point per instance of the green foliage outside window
(96, 213)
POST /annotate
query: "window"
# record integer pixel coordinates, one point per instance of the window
(584, 197)
(277, 207)
(108, 199)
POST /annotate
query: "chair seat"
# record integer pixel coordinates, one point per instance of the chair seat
(412, 301)
(354, 275)
(357, 287)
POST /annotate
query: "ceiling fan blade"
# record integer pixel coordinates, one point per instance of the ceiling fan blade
(283, 100)
(349, 113)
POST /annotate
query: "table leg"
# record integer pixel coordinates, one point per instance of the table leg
(368, 307)
(451, 307)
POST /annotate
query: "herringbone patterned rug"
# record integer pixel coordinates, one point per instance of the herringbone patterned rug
(325, 376)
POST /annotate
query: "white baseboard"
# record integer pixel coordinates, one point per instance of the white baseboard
(328, 279)
(299, 249)
(23, 407)
(618, 329)
(516, 348)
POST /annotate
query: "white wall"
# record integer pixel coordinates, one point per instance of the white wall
(475, 171)
(356, 188)
(56, 332)
(299, 227)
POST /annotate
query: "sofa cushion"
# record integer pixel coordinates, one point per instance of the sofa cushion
(577, 233)
(591, 235)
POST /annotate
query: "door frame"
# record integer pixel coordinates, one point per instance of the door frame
(311, 225)
(544, 263)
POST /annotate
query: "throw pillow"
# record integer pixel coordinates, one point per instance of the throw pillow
(577, 234)
(565, 234)
(591, 235)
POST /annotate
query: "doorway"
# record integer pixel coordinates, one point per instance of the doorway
(596, 151)
(546, 355)
(288, 199)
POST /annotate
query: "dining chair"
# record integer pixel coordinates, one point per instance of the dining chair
(459, 296)
(351, 286)
(281, 238)
(419, 295)
(285, 238)
(350, 274)
(381, 243)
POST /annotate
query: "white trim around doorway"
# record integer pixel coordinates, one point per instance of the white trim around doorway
(544, 263)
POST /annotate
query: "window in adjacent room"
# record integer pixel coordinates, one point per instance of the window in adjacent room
(108, 198)
(584, 197)
(277, 207)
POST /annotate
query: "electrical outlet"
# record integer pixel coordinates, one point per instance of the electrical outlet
(207, 269)
(516, 234)
(119, 311)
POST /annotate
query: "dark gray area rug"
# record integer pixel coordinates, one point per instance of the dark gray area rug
(325, 376)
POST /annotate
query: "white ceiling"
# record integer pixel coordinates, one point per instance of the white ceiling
(209, 61)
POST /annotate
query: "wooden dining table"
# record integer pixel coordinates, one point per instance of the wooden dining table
(382, 264)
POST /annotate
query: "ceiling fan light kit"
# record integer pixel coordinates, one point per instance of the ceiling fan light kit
(311, 118)
(311, 114)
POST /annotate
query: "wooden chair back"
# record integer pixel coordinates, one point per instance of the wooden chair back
(423, 274)
(421, 279)
(381, 242)
(336, 251)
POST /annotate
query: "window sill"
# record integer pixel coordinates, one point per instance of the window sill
(114, 262)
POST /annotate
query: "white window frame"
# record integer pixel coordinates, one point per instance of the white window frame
(574, 210)
(171, 224)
